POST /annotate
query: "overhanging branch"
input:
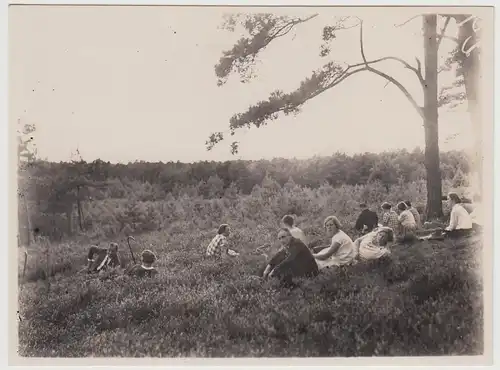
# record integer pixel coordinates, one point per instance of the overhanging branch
(390, 78)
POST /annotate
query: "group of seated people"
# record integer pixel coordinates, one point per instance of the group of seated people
(297, 258)
(405, 221)
(101, 259)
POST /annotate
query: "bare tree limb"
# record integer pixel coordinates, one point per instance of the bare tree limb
(443, 31)
(408, 20)
(455, 39)
(389, 78)
(290, 26)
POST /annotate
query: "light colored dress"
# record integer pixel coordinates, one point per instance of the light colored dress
(459, 219)
(344, 255)
(369, 248)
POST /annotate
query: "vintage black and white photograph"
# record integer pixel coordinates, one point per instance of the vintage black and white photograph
(252, 182)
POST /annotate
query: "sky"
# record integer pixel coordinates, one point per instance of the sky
(138, 83)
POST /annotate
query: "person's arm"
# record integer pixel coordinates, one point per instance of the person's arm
(401, 217)
(117, 261)
(453, 219)
(327, 252)
(357, 242)
(385, 219)
(268, 269)
(292, 253)
(131, 270)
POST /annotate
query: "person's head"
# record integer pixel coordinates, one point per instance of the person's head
(384, 235)
(363, 206)
(408, 203)
(224, 230)
(287, 220)
(453, 199)
(332, 225)
(113, 248)
(148, 258)
(386, 206)
(284, 236)
(402, 207)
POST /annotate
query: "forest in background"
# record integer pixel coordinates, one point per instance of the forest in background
(106, 200)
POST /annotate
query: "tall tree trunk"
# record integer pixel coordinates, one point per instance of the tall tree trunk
(69, 218)
(434, 190)
(467, 40)
(28, 221)
(79, 208)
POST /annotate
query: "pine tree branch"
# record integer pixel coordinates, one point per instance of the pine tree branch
(390, 78)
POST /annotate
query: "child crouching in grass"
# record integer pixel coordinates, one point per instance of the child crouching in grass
(146, 268)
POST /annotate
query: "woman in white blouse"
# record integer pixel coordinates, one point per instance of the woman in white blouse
(460, 219)
(341, 251)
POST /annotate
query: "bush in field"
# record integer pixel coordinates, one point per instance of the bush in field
(267, 203)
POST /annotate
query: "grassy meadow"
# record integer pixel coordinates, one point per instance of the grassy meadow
(427, 300)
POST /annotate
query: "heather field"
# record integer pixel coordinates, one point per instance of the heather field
(426, 300)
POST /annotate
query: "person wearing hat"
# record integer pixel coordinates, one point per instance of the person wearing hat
(99, 259)
(146, 268)
(367, 220)
(374, 245)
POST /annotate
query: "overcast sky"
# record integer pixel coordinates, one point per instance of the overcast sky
(138, 83)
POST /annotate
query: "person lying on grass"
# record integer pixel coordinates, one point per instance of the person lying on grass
(341, 251)
(289, 223)
(293, 259)
(99, 259)
(407, 225)
(373, 245)
(145, 268)
(219, 245)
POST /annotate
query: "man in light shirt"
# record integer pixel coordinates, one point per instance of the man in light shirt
(460, 219)
(289, 223)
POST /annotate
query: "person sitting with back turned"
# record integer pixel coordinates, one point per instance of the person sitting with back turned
(341, 251)
(367, 220)
(289, 223)
(389, 217)
(144, 269)
(416, 215)
(407, 225)
(294, 259)
(99, 259)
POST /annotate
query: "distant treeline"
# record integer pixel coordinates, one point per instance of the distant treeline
(61, 198)
(336, 170)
